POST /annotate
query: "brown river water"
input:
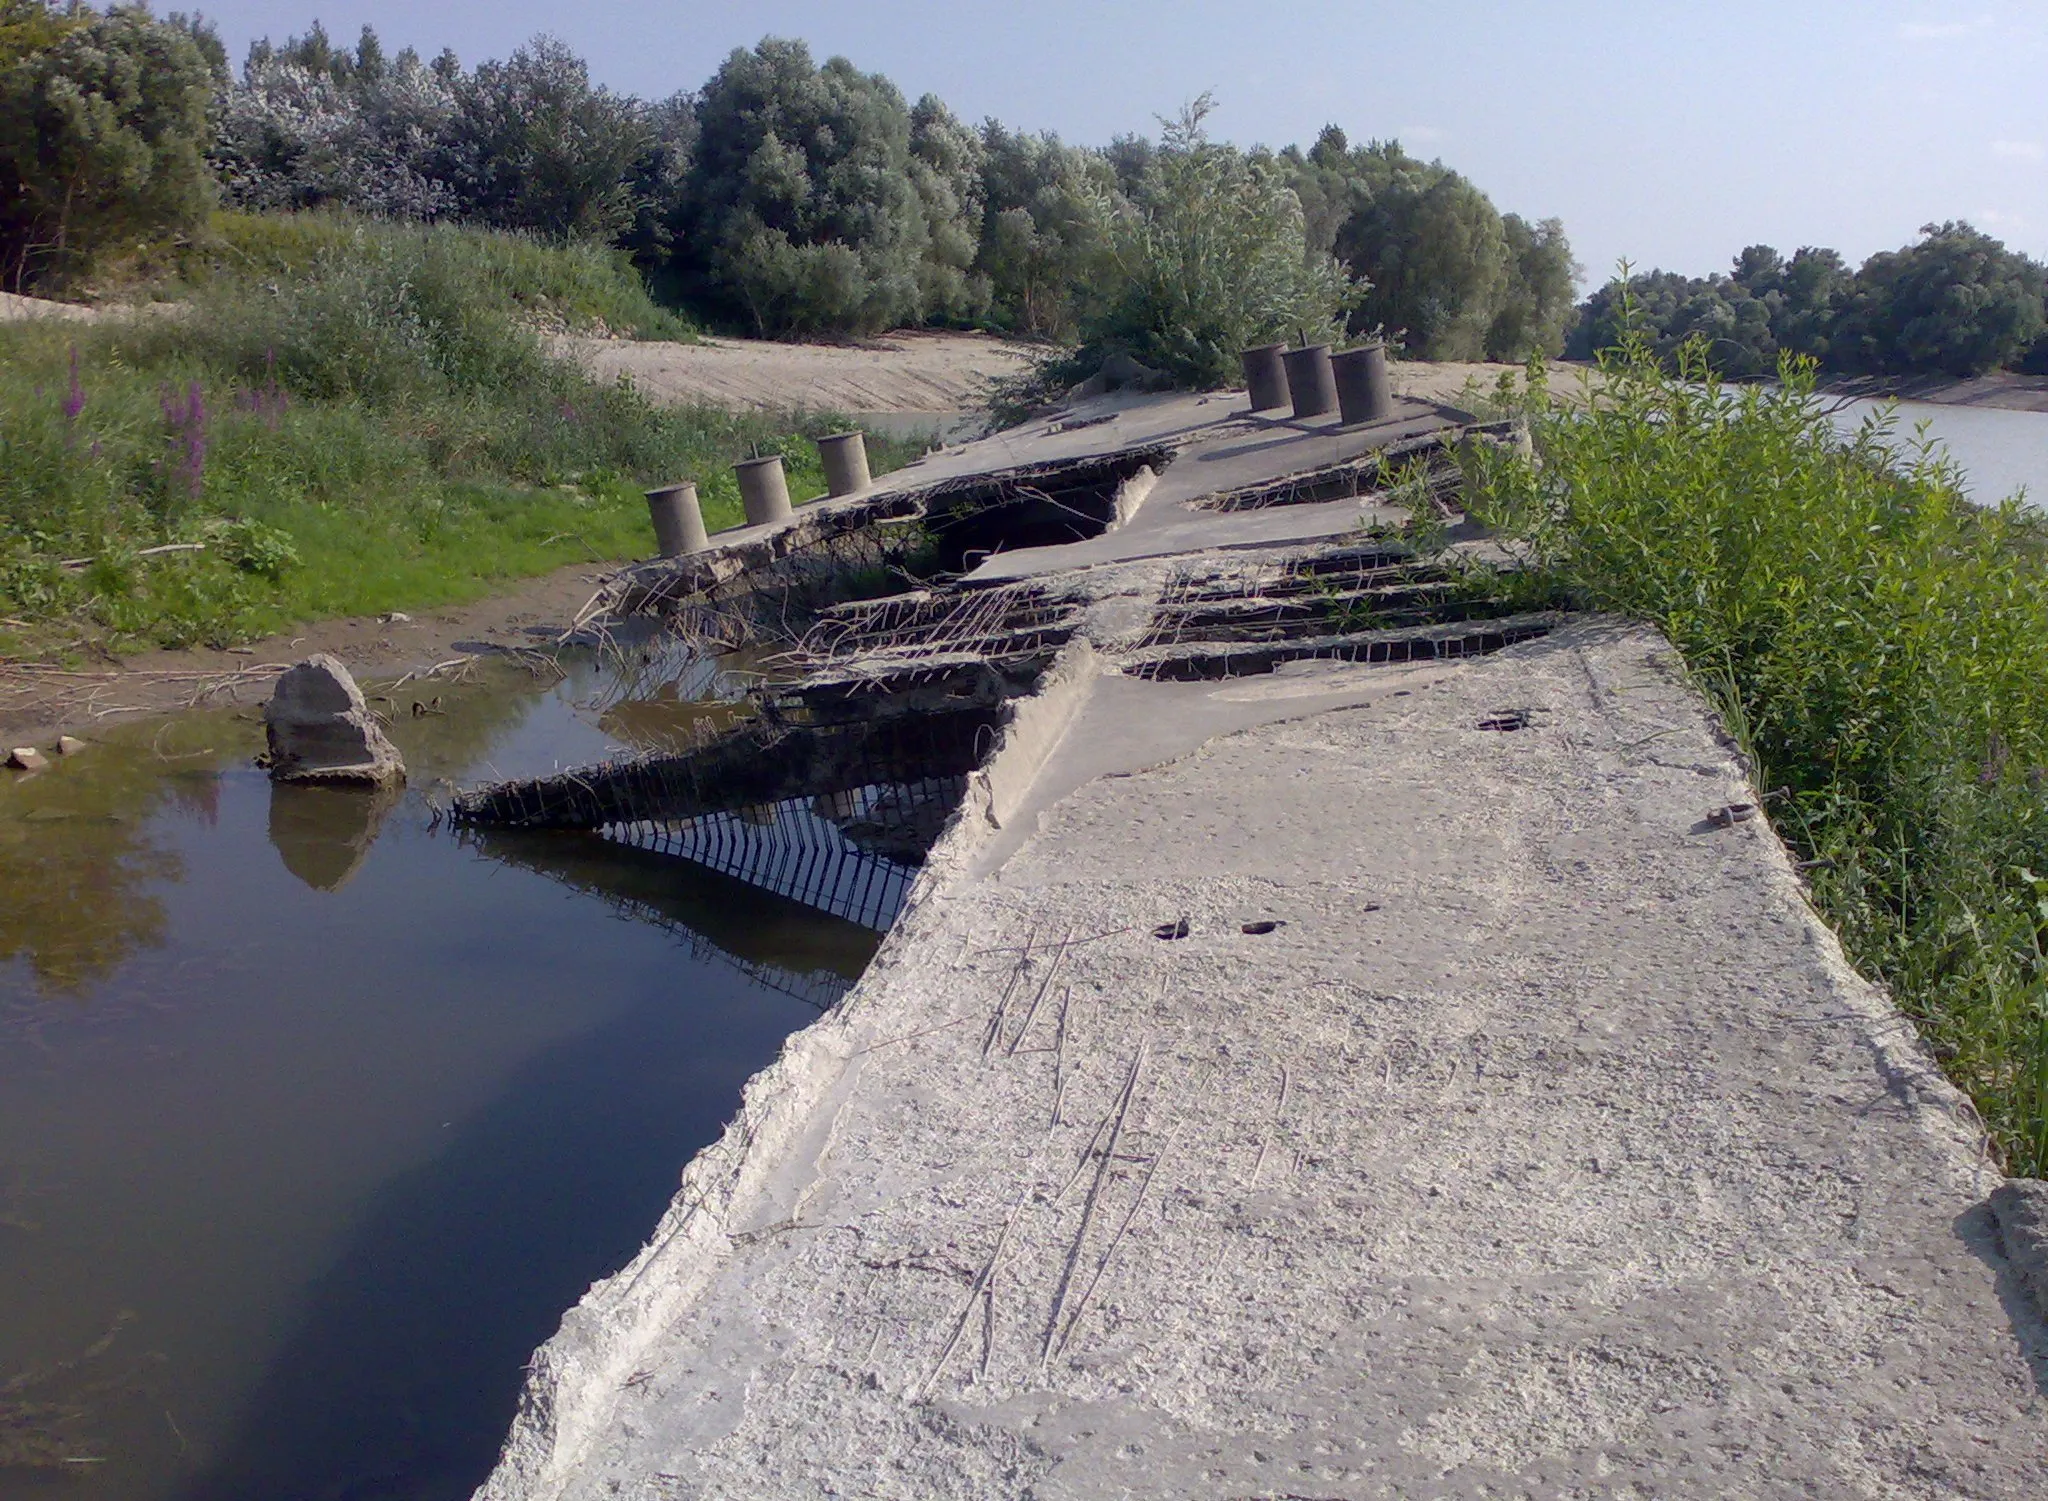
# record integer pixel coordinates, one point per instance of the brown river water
(315, 1115)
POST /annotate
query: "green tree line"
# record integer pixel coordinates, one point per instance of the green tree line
(1955, 302)
(783, 197)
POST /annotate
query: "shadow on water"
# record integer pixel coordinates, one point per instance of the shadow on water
(402, 1377)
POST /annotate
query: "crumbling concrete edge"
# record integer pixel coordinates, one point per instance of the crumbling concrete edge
(2019, 1208)
(785, 1118)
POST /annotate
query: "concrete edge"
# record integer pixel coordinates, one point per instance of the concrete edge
(786, 1114)
(2019, 1208)
(1908, 1070)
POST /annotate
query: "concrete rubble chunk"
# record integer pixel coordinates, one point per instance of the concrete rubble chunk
(320, 729)
(69, 745)
(2020, 1206)
(26, 758)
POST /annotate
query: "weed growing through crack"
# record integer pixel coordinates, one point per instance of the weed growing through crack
(1877, 644)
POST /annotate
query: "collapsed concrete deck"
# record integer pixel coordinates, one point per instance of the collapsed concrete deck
(1325, 1070)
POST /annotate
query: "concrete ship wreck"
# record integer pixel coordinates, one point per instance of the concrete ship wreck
(1342, 1032)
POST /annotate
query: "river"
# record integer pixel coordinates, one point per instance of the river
(2000, 451)
(314, 1116)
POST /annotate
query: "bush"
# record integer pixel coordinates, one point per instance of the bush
(103, 134)
(1879, 646)
(577, 286)
(1208, 259)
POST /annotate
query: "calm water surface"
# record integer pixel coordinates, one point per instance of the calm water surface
(315, 1117)
(2000, 451)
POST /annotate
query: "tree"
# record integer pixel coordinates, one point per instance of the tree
(1046, 208)
(30, 26)
(1434, 251)
(1535, 307)
(945, 166)
(103, 135)
(1207, 258)
(807, 211)
(656, 184)
(541, 149)
(310, 125)
(1958, 302)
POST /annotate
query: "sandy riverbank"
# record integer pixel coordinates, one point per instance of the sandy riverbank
(2004, 389)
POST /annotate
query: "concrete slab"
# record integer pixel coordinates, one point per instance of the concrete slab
(1542, 1145)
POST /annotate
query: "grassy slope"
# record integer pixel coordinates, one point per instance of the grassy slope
(353, 418)
(1878, 645)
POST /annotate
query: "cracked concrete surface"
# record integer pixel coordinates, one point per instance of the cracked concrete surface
(1544, 1146)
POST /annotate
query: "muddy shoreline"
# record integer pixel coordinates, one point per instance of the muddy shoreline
(39, 701)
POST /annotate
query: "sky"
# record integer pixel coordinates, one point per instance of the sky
(1670, 134)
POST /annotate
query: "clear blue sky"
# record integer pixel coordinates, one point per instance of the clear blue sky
(1671, 134)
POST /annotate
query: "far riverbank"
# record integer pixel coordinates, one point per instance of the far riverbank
(2004, 389)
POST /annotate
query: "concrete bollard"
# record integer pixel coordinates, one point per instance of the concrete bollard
(1265, 376)
(763, 490)
(678, 520)
(1310, 382)
(845, 456)
(1365, 392)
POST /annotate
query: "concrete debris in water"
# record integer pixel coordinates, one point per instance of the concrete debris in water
(320, 730)
(69, 745)
(26, 758)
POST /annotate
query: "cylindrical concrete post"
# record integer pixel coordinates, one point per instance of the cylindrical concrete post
(763, 490)
(678, 520)
(1310, 383)
(1265, 377)
(1365, 393)
(846, 464)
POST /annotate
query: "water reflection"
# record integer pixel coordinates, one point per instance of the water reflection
(786, 945)
(294, 1172)
(81, 856)
(324, 834)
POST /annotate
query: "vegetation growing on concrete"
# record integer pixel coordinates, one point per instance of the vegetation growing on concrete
(1877, 644)
(343, 419)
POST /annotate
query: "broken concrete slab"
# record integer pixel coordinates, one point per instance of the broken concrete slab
(70, 745)
(1332, 1051)
(320, 729)
(1550, 1146)
(26, 758)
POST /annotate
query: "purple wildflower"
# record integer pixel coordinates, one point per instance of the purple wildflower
(186, 418)
(74, 396)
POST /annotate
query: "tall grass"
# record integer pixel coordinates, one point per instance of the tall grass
(380, 428)
(575, 286)
(1880, 645)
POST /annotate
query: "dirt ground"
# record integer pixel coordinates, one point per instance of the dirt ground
(37, 702)
(901, 372)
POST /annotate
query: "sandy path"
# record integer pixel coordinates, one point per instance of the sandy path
(15, 309)
(901, 372)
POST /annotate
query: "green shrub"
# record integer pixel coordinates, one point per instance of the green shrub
(576, 285)
(1206, 258)
(1879, 645)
